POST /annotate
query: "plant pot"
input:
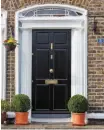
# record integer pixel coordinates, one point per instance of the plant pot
(21, 118)
(78, 119)
(3, 117)
(10, 47)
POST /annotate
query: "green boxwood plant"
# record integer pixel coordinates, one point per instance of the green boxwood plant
(21, 103)
(78, 104)
(5, 106)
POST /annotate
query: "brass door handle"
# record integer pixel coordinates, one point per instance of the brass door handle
(51, 70)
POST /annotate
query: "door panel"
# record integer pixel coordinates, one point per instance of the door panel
(61, 63)
(51, 60)
(42, 63)
(59, 96)
(42, 94)
(60, 38)
(42, 38)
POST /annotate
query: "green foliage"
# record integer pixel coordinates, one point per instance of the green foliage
(20, 103)
(78, 104)
(5, 106)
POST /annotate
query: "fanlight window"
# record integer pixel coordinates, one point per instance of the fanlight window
(50, 12)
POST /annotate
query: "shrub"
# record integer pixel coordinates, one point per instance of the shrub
(5, 106)
(21, 103)
(78, 104)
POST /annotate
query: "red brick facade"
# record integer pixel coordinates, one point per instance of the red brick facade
(95, 50)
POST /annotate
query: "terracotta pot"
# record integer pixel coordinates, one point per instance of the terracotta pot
(21, 118)
(3, 117)
(10, 47)
(78, 119)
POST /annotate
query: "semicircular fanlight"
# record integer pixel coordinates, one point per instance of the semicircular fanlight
(50, 12)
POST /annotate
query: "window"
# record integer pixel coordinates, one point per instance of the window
(49, 12)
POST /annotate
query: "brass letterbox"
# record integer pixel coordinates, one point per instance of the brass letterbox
(51, 81)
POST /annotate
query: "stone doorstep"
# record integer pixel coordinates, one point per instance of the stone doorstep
(91, 121)
(53, 125)
(89, 115)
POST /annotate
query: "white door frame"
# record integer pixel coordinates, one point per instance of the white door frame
(23, 53)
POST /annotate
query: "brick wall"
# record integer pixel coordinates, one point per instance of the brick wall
(95, 51)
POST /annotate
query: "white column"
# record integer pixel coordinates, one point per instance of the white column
(85, 61)
(26, 63)
(80, 63)
(3, 37)
(0, 60)
(74, 34)
(77, 63)
(3, 64)
(85, 55)
(17, 53)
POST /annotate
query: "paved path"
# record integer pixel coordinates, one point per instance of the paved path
(52, 126)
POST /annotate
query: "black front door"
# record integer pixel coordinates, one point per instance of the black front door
(51, 70)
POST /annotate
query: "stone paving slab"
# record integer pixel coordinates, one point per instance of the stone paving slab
(51, 129)
(52, 126)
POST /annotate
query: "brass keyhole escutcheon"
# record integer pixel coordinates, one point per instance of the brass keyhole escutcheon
(51, 70)
(51, 57)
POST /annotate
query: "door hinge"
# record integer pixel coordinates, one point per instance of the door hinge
(32, 54)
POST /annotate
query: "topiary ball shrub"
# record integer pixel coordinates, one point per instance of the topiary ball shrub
(20, 103)
(78, 104)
